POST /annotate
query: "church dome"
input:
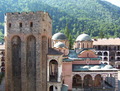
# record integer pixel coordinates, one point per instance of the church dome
(60, 45)
(84, 37)
(86, 66)
(96, 67)
(59, 36)
(108, 67)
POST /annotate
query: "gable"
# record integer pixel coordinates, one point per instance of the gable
(87, 54)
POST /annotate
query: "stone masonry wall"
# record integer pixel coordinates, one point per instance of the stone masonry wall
(24, 25)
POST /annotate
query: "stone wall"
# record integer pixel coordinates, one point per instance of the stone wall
(28, 56)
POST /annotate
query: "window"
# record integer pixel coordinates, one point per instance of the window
(31, 24)
(44, 30)
(20, 24)
(83, 45)
(9, 25)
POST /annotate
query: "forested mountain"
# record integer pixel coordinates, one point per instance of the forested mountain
(95, 17)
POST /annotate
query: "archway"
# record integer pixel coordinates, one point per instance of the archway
(98, 81)
(100, 53)
(88, 81)
(118, 53)
(31, 63)
(16, 62)
(105, 59)
(77, 81)
(53, 70)
(105, 54)
(118, 58)
(51, 88)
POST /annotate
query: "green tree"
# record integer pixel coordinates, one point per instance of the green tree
(101, 34)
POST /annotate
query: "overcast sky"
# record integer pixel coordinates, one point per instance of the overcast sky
(116, 2)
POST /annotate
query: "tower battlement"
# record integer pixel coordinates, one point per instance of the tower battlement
(26, 13)
(28, 22)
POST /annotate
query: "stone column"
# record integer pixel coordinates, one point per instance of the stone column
(23, 63)
(116, 82)
(82, 83)
(8, 64)
(93, 84)
(38, 63)
(103, 82)
(59, 72)
(82, 79)
(48, 71)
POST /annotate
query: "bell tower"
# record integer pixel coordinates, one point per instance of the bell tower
(27, 38)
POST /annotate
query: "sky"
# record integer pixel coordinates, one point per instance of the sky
(115, 2)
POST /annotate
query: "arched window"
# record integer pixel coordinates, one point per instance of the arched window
(51, 88)
(98, 81)
(87, 45)
(105, 63)
(105, 59)
(53, 70)
(83, 45)
(3, 64)
(88, 81)
(118, 58)
(100, 53)
(2, 59)
(2, 69)
(77, 81)
(118, 53)
(105, 54)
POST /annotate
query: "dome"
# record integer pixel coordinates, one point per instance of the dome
(84, 37)
(108, 67)
(60, 45)
(86, 66)
(59, 36)
(96, 67)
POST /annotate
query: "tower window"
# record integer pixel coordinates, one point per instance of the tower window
(31, 24)
(20, 24)
(9, 25)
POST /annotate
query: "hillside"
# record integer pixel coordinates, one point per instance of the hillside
(95, 17)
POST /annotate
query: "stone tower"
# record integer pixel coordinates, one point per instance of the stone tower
(27, 38)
